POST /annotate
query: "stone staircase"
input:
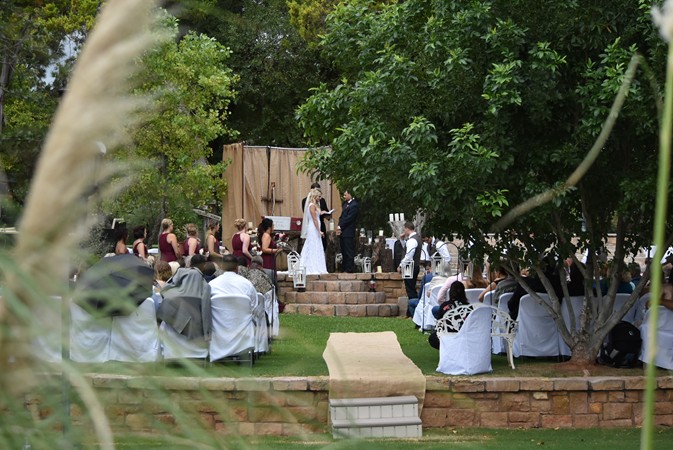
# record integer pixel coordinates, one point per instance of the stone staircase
(343, 295)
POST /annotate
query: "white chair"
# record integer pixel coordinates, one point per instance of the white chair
(261, 327)
(89, 337)
(498, 343)
(620, 300)
(663, 356)
(641, 309)
(538, 334)
(47, 330)
(176, 346)
(135, 338)
(488, 298)
(468, 351)
(473, 294)
(503, 328)
(271, 308)
(233, 328)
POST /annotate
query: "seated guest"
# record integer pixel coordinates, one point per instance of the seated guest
(413, 302)
(636, 273)
(624, 278)
(231, 283)
(500, 277)
(162, 273)
(476, 281)
(209, 270)
(242, 265)
(257, 276)
(457, 297)
(198, 262)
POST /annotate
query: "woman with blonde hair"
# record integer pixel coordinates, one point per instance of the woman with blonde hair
(313, 254)
(240, 241)
(168, 242)
(191, 246)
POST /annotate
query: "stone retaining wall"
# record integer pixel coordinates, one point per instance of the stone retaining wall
(294, 405)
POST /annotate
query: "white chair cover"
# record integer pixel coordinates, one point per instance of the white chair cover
(176, 346)
(473, 294)
(538, 334)
(48, 328)
(89, 337)
(261, 328)
(135, 338)
(620, 300)
(271, 308)
(423, 314)
(233, 328)
(664, 354)
(468, 351)
(488, 299)
(641, 309)
(499, 344)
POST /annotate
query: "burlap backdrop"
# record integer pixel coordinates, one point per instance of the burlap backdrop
(250, 176)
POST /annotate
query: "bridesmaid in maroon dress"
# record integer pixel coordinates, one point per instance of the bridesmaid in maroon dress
(212, 243)
(192, 245)
(268, 245)
(240, 241)
(168, 242)
(139, 247)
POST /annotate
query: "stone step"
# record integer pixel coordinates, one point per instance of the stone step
(335, 298)
(337, 286)
(376, 310)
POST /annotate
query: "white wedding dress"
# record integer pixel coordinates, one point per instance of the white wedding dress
(312, 254)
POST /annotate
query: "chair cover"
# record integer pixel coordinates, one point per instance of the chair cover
(89, 337)
(663, 356)
(271, 308)
(48, 329)
(468, 351)
(423, 314)
(538, 334)
(233, 328)
(499, 344)
(641, 309)
(488, 298)
(135, 338)
(261, 327)
(473, 294)
(620, 300)
(176, 346)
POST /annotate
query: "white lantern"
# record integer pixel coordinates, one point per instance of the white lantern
(408, 270)
(437, 264)
(467, 268)
(366, 265)
(299, 279)
(292, 262)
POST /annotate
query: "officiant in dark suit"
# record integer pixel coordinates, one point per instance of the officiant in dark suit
(324, 212)
(347, 231)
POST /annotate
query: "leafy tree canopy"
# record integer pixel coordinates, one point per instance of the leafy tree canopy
(464, 109)
(191, 88)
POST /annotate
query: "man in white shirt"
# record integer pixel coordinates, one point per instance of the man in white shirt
(231, 283)
(439, 246)
(413, 253)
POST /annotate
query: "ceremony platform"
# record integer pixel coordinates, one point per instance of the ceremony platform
(345, 294)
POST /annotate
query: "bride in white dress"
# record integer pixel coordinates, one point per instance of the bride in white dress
(312, 254)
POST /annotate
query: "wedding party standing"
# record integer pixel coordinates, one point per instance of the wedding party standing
(313, 254)
(240, 241)
(168, 242)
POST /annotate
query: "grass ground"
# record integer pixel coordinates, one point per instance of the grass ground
(298, 352)
(613, 439)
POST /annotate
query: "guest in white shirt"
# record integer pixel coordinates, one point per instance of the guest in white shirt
(231, 283)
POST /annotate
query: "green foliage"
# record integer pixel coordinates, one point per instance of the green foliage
(275, 65)
(191, 89)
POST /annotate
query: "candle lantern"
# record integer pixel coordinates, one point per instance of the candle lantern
(292, 262)
(467, 268)
(299, 279)
(408, 270)
(366, 265)
(437, 264)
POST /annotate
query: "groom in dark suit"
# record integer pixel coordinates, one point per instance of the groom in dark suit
(347, 231)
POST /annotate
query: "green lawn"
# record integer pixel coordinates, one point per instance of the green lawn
(298, 352)
(613, 439)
